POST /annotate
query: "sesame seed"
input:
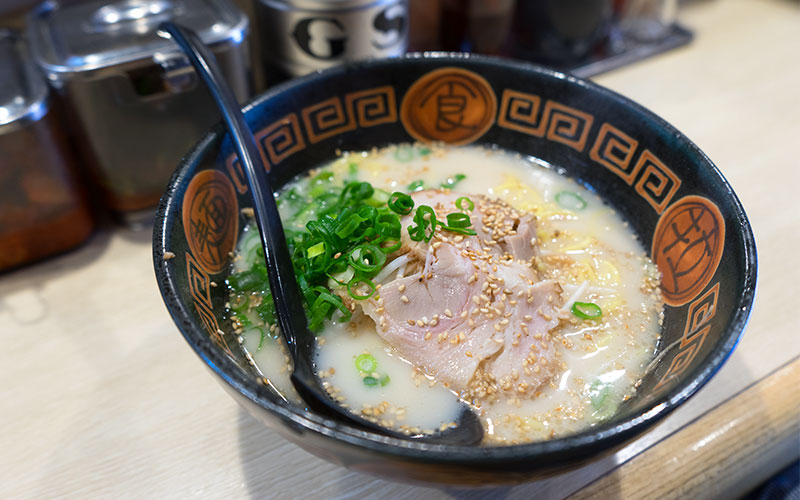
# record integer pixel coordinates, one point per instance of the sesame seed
(448, 313)
(404, 299)
(401, 288)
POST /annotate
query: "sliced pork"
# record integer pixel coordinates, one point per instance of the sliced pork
(470, 310)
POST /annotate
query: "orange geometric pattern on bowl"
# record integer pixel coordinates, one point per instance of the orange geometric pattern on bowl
(211, 219)
(698, 319)
(451, 105)
(687, 247)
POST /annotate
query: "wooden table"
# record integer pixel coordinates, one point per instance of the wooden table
(102, 397)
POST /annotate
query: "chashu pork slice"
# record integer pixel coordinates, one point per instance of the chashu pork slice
(473, 314)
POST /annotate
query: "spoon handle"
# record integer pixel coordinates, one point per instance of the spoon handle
(283, 285)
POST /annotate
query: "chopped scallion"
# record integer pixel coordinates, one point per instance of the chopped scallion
(464, 203)
(401, 203)
(458, 220)
(586, 310)
(450, 182)
(367, 258)
(366, 363)
(570, 200)
(424, 224)
(315, 250)
(355, 283)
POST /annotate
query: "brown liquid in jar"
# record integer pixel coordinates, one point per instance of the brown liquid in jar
(43, 210)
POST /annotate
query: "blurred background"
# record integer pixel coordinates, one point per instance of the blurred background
(96, 108)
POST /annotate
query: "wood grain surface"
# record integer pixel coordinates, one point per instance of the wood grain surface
(101, 396)
(760, 434)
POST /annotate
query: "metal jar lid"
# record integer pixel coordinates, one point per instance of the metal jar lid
(323, 5)
(23, 91)
(87, 37)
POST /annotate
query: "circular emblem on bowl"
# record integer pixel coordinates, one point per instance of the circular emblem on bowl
(449, 104)
(210, 219)
(687, 247)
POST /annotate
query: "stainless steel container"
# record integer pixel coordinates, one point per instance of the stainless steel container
(135, 102)
(43, 209)
(301, 36)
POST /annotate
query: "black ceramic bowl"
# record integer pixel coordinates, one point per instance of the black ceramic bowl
(675, 199)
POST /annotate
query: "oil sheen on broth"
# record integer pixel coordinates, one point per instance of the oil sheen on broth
(547, 336)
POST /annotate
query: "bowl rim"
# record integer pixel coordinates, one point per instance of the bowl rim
(590, 441)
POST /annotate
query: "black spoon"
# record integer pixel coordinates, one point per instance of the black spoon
(282, 282)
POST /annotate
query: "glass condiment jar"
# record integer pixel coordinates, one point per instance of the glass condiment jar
(43, 209)
(134, 102)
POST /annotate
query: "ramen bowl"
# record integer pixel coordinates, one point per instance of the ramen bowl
(676, 201)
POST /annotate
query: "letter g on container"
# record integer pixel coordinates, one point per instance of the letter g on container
(301, 36)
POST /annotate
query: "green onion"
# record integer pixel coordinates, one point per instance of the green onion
(353, 283)
(598, 392)
(459, 223)
(425, 224)
(371, 381)
(586, 310)
(366, 363)
(401, 203)
(347, 226)
(392, 246)
(603, 399)
(320, 184)
(340, 238)
(404, 154)
(570, 200)
(452, 181)
(417, 185)
(367, 258)
(458, 220)
(315, 250)
(464, 203)
(326, 297)
(379, 198)
(356, 191)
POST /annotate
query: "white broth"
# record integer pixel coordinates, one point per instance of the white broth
(596, 350)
